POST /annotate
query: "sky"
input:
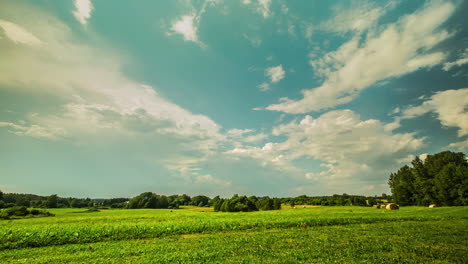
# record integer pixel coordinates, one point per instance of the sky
(215, 97)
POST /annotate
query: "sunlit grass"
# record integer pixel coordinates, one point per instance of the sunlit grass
(296, 235)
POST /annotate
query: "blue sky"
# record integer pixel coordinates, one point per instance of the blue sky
(264, 97)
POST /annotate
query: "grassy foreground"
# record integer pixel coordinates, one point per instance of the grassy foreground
(310, 235)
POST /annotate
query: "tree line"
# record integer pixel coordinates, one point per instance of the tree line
(153, 200)
(245, 204)
(338, 200)
(441, 179)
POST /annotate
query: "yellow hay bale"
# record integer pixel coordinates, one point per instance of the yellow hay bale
(392, 206)
(433, 206)
(383, 206)
(376, 206)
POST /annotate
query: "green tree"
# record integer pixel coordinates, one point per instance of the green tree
(52, 201)
(402, 186)
(200, 200)
(442, 179)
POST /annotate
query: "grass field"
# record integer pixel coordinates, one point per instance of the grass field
(198, 235)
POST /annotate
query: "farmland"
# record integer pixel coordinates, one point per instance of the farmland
(194, 234)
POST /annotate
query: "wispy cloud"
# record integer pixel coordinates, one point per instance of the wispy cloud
(261, 6)
(358, 17)
(457, 63)
(459, 146)
(264, 8)
(95, 100)
(34, 131)
(264, 86)
(18, 34)
(401, 48)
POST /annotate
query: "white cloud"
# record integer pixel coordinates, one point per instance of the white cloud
(264, 8)
(83, 10)
(400, 48)
(245, 135)
(98, 104)
(450, 107)
(459, 62)
(255, 41)
(264, 86)
(261, 6)
(423, 156)
(34, 131)
(358, 17)
(308, 32)
(239, 132)
(256, 138)
(187, 27)
(94, 101)
(348, 146)
(459, 146)
(18, 34)
(275, 74)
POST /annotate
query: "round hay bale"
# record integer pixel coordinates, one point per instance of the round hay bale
(383, 206)
(392, 206)
(376, 206)
(433, 206)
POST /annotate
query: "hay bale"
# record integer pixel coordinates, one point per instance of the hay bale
(433, 206)
(383, 206)
(376, 206)
(392, 206)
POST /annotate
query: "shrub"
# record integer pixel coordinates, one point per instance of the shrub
(34, 212)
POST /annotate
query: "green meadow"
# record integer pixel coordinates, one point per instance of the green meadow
(199, 235)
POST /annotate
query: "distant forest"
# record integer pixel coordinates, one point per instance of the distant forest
(153, 200)
(441, 178)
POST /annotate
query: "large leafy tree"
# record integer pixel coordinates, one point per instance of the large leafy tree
(442, 178)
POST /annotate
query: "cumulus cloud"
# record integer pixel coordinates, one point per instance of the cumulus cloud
(83, 10)
(18, 34)
(449, 106)
(187, 27)
(348, 147)
(275, 74)
(400, 48)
